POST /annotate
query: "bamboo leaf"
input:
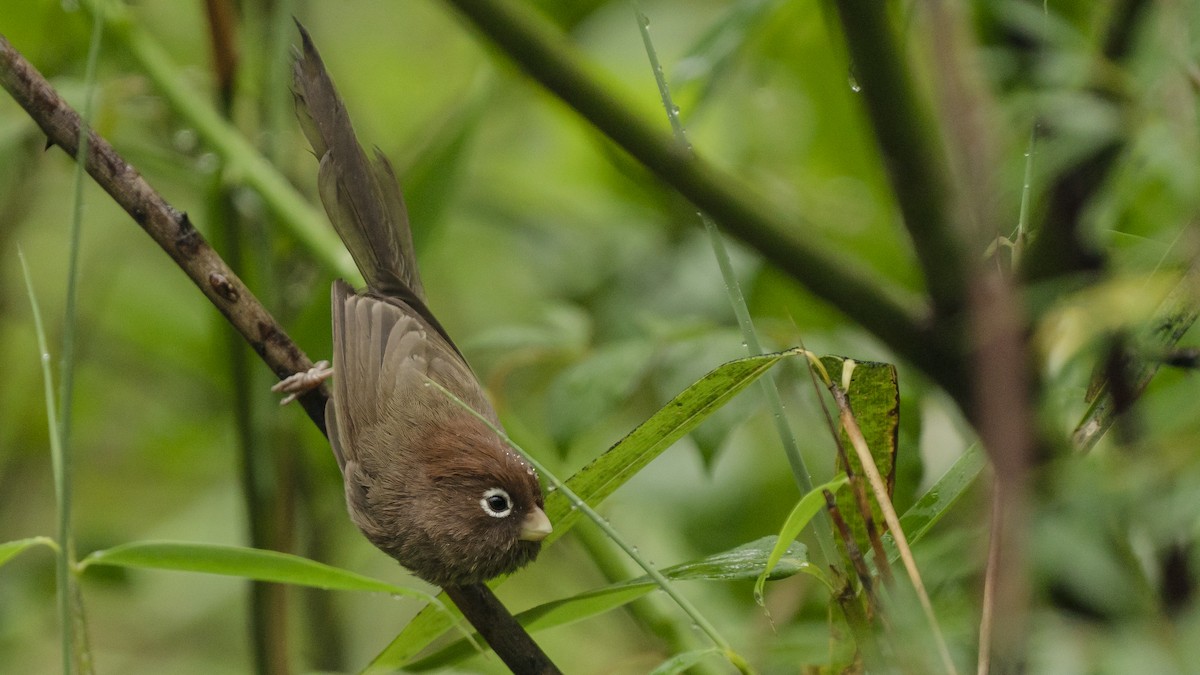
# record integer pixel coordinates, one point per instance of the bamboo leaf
(238, 561)
(631, 454)
(12, 549)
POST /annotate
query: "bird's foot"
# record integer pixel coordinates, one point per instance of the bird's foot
(298, 384)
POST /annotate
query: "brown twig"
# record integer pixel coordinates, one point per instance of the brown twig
(864, 509)
(504, 635)
(852, 551)
(1006, 425)
(859, 443)
(987, 613)
(172, 230)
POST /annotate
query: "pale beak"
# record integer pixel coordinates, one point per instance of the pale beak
(535, 526)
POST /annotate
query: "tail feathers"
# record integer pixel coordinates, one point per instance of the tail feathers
(362, 198)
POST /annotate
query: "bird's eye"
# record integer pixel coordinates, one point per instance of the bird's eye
(496, 503)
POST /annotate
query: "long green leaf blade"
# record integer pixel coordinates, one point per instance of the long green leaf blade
(631, 454)
(12, 549)
(238, 561)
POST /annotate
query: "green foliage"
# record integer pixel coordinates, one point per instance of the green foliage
(590, 304)
(237, 561)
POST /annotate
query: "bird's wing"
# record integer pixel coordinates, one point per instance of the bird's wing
(385, 352)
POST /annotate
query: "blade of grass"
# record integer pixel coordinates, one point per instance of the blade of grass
(57, 461)
(936, 502)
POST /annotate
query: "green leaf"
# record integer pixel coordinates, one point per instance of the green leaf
(606, 473)
(247, 563)
(12, 549)
(677, 365)
(684, 660)
(805, 509)
(936, 502)
(599, 479)
(875, 400)
(744, 562)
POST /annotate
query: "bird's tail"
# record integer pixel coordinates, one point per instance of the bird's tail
(362, 198)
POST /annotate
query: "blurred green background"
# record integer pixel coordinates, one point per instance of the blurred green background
(585, 295)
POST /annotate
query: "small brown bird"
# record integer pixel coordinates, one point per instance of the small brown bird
(426, 481)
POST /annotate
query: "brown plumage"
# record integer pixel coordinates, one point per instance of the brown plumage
(426, 481)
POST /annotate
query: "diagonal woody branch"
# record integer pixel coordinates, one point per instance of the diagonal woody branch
(542, 51)
(173, 231)
(168, 227)
(912, 152)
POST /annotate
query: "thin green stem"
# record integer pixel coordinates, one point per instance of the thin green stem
(646, 611)
(1018, 243)
(70, 605)
(578, 504)
(63, 555)
(733, 288)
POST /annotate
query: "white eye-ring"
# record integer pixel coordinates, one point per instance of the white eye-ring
(496, 503)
